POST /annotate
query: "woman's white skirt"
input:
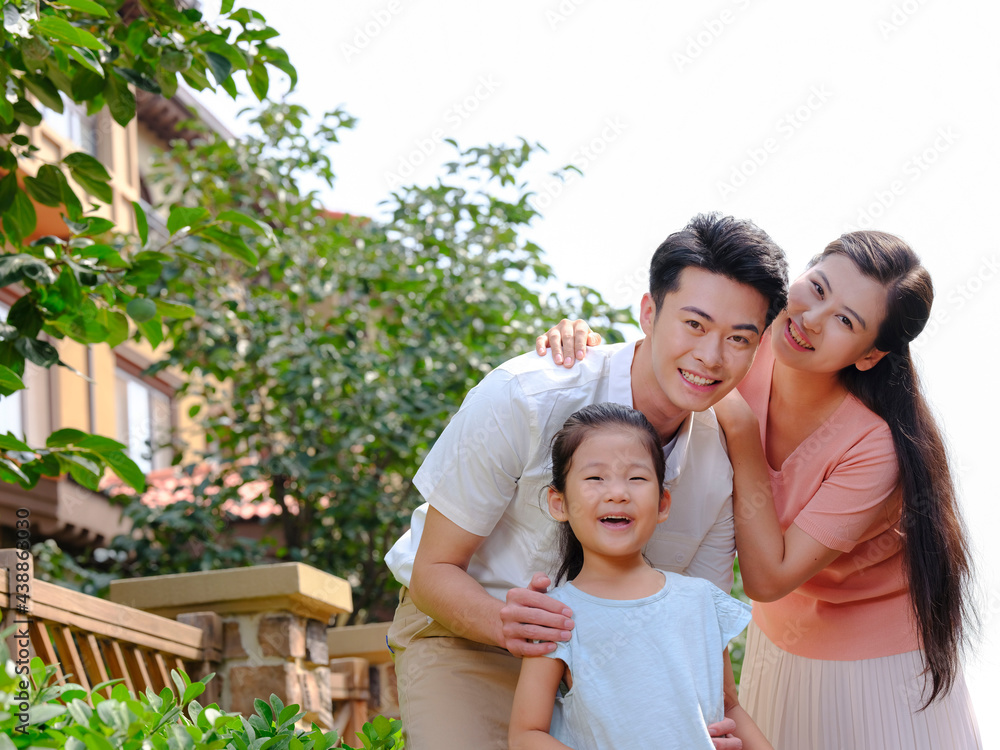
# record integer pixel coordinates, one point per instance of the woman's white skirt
(870, 704)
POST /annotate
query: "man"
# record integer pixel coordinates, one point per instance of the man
(466, 619)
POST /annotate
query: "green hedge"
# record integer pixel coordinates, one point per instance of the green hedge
(36, 711)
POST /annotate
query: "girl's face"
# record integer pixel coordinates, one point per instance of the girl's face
(613, 500)
(832, 319)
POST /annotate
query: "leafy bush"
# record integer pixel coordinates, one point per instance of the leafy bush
(35, 711)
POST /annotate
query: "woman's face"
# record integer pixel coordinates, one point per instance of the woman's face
(832, 318)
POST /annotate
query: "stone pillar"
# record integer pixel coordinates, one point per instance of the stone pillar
(273, 628)
(368, 642)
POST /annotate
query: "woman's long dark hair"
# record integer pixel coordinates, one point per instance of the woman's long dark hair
(564, 445)
(935, 551)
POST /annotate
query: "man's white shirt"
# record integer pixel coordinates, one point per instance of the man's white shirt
(490, 469)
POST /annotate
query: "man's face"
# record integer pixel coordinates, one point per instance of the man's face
(704, 338)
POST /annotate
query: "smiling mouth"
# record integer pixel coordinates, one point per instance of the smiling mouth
(616, 521)
(793, 332)
(697, 379)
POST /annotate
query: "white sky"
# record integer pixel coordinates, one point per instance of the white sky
(811, 119)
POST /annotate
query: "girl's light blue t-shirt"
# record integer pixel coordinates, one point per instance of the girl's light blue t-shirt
(646, 672)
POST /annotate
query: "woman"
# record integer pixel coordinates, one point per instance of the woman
(847, 529)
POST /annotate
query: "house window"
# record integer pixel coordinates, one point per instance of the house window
(144, 422)
(75, 124)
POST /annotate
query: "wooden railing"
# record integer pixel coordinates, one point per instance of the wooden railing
(92, 640)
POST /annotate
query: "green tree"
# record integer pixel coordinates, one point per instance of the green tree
(94, 285)
(330, 372)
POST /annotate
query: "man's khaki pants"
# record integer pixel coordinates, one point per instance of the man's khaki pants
(454, 694)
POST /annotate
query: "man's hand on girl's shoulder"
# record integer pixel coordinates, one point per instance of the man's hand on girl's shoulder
(531, 621)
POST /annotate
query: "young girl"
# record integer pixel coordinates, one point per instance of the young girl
(644, 667)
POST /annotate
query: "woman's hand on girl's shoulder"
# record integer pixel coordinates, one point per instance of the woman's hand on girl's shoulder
(567, 336)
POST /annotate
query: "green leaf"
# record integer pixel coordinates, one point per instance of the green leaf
(231, 243)
(26, 113)
(42, 353)
(184, 216)
(144, 272)
(229, 86)
(192, 691)
(90, 174)
(89, 61)
(263, 710)
(126, 468)
(14, 268)
(64, 438)
(56, 27)
(287, 713)
(20, 219)
(99, 444)
(220, 66)
(121, 101)
(227, 5)
(152, 330)
(10, 443)
(141, 223)
(96, 225)
(175, 60)
(100, 190)
(45, 90)
(117, 325)
(84, 6)
(49, 240)
(174, 310)
(80, 469)
(39, 714)
(88, 165)
(11, 472)
(256, 226)
(139, 80)
(87, 84)
(45, 186)
(74, 209)
(141, 310)
(8, 189)
(67, 291)
(259, 80)
(9, 381)
(26, 317)
(289, 70)
(167, 82)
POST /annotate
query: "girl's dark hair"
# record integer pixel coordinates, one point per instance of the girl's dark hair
(935, 552)
(564, 445)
